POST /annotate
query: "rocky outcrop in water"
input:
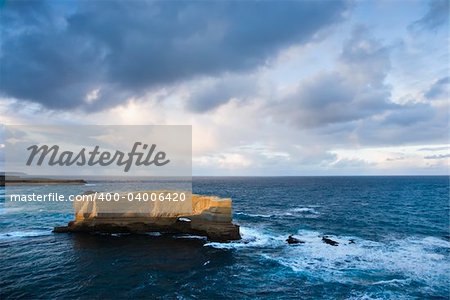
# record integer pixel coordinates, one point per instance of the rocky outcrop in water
(329, 241)
(9, 180)
(292, 240)
(205, 215)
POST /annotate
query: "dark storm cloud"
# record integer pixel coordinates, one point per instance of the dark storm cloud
(437, 15)
(438, 89)
(56, 55)
(213, 95)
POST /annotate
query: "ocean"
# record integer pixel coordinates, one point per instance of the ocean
(399, 225)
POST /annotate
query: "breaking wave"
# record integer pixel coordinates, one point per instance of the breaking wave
(23, 234)
(421, 259)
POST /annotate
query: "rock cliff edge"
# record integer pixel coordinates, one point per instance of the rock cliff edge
(202, 215)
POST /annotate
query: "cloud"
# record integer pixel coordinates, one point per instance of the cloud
(435, 148)
(408, 124)
(352, 103)
(300, 95)
(206, 96)
(345, 163)
(60, 54)
(409, 114)
(395, 158)
(436, 16)
(225, 161)
(439, 156)
(440, 88)
(264, 160)
(354, 90)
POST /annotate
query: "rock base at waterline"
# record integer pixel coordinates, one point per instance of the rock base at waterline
(210, 217)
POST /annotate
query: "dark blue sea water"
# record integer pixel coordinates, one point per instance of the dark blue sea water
(400, 226)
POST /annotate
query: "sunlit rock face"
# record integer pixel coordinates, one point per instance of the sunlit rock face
(208, 216)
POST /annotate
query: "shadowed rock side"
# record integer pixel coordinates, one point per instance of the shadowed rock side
(205, 215)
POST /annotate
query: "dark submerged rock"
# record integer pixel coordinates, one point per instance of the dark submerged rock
(292, 240)
(329, 241)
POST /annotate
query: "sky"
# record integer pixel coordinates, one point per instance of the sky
(270, 87)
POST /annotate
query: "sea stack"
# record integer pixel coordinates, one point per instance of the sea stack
(209, 216)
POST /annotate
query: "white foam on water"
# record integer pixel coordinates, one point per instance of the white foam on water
(189, 236)
(254, 215)
(305, 210)
(251, 238)
(23, 234)
(411, 258)
(6, 210)
(154, 233)
(118, 234)
(396, 281)
(421, 259)
(379, 295)
(301, 212)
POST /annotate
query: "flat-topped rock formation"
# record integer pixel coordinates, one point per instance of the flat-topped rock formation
(205, 215)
